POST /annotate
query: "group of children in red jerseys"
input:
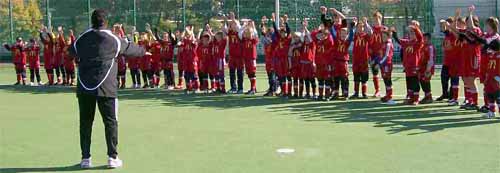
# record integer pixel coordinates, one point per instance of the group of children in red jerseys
(294, 61)
(55, 58)
(470, 53)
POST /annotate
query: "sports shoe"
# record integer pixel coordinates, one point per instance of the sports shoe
(377, 94)
(86, 163)
(452, 103)
(390, 102)
(426, 100)
(250, 92)
(114, 163)
(32, 84)
(239, 92)
(307, 96)
(465, 105)
(17, 83)
(441, 98)
(40, 83)
(472, 107)
(489, 115)
(269, 93)
(232, 91)
(484, 109)
(354, 96)
(364, 96)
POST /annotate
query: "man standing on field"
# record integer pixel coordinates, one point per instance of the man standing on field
(97, 50)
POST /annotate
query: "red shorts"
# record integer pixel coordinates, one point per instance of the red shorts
(323, 71)
(236, 62)
(411, 71)
(307, 71)
(251, 65)
(59, 58)
(281, 67)
(19, 66)
(168, 65)
(156, 66)
(471, 67)
(360, 67)
(491, 85)
(386, 71)
(295, 71)
(453, 70)
(47, 61)
(191, 67)
(340, 69)
(35, 65)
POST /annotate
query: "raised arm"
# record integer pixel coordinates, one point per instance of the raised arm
(470, 24)
(130, 50)
(337, 13)
(157, 36)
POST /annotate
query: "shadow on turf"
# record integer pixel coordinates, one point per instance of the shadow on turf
(38, 89)
(394, 118)
(51, 169)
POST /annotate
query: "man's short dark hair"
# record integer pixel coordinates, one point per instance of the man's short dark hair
(99, 18)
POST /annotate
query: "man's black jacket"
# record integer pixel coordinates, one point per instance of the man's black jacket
(96, 51)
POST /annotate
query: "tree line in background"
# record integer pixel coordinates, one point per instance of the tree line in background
(29, 15)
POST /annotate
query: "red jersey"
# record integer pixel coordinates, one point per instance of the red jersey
(428, 58)
(189, 54)
(308, 53)
(60, 48)
(491, 71)
(449, 48)
(122, 63)
(388, 52)
(166, 51)
(341, 50)
(48, 50)
(283, 44)
(376, 41)
(234, 44)
(145, 61)
(204, 53)
(34, 55)
(155, 49)
(249, 48)
(412, 50)
(18, 53)
(323, 48)
(360, 51)
(219, 48)
(473, 50)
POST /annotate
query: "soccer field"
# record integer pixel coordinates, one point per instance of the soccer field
(162, 131)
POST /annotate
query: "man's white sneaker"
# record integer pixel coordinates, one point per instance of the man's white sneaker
(32, 84)
(40, 84)
(86, 163)
(114, 163)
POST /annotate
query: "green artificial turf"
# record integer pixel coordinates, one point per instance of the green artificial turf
(162, 131)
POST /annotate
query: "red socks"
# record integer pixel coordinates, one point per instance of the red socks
(363, 89)
(253, 83)
(376, 83)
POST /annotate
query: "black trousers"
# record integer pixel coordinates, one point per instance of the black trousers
(108, 107)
